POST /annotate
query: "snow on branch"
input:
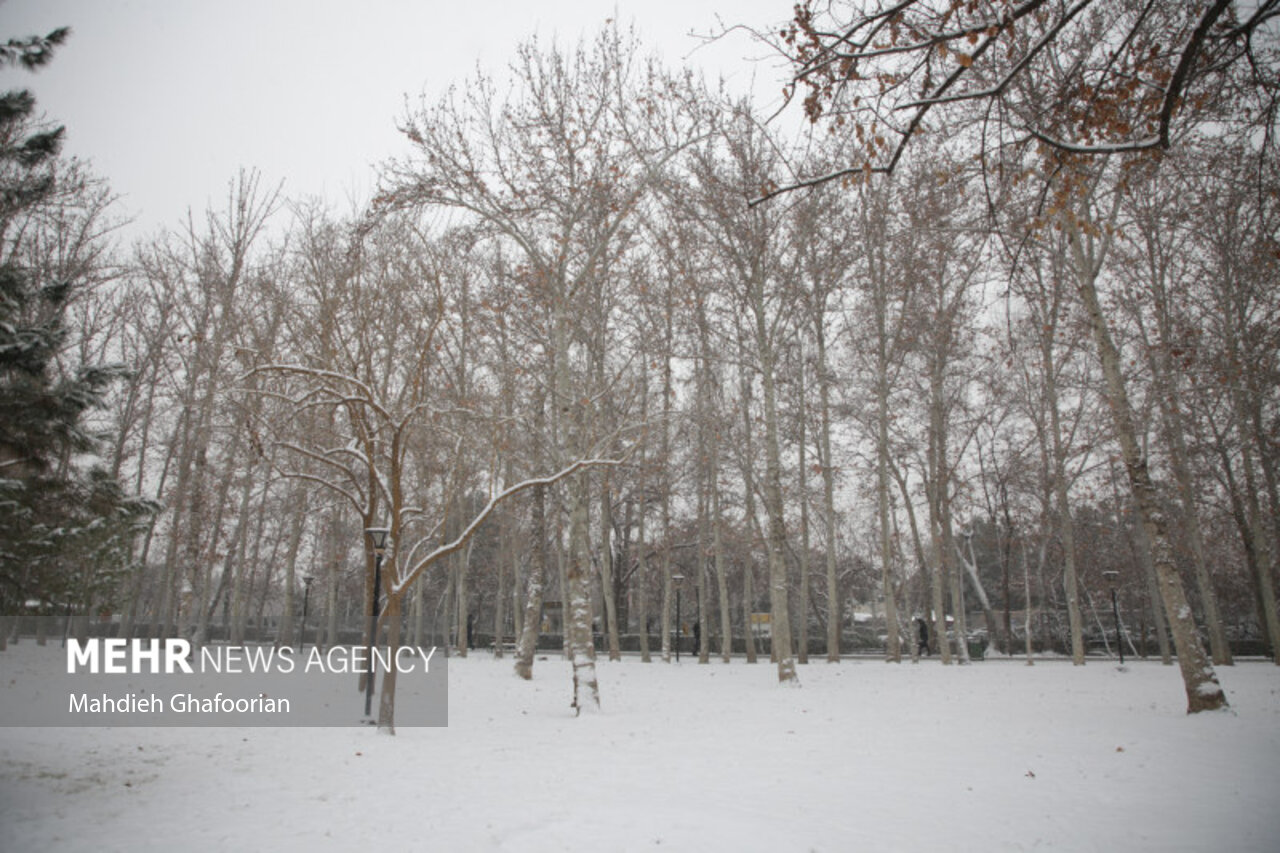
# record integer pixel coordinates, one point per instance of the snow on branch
(357, 502)
(366, 394)
(1099, 148)
(495, 500)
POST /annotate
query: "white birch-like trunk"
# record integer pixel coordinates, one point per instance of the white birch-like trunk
(970, 564)
(586, 686)
(536, 581)
(1166, 384)
(1199, 678)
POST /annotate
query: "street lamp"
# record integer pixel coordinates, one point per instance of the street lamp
(378, 538)
(306, 596)
(677, 579)
(1113, 578)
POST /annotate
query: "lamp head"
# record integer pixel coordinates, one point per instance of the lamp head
(378, 537)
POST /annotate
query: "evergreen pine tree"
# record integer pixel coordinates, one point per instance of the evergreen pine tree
(65, 524)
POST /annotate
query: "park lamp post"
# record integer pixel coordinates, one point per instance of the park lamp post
(306, 597)
(1113, 578)
(678, 578)
(378, 538)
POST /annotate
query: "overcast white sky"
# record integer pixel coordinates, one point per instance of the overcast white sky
(169, 98)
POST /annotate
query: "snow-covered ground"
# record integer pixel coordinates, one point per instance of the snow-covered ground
(864, 755)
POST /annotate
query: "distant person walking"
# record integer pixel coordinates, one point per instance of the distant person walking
(924, 636)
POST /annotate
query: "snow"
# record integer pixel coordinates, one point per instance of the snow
(865, 755)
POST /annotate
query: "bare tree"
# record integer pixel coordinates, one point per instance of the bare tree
(749, 244)
(917, 56)
(555, 171)
(1089, 245)
(1158, 264)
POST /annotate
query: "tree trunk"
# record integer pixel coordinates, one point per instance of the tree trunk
(586, 687)
(937, 492)
(417, 614)
(1246, 402)
(1261, 546)
(717, 545)
(1165, 382)
(929, 604)
(238, 565)
(703, 615)
(1066, 527)
(957, 586)
(461, 565)
(893, 650)
(1240, 516)
(1219, 649)
(607, 569)
(828, 500)
(641, 583)
(802, 611)
(970, 564)
(1201, 682)
(182, 500)
(500, 598)
(536, 583)
(668, 393)
(298, 503)
(334, 554)
(1026, 586)
(749, 514)
(1142, 552)
(448, 603)
(777, 537)
(387, 697)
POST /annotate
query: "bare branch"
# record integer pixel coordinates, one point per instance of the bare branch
(1178, 82)
(461, 540)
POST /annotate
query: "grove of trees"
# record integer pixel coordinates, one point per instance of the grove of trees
(1001, 324)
